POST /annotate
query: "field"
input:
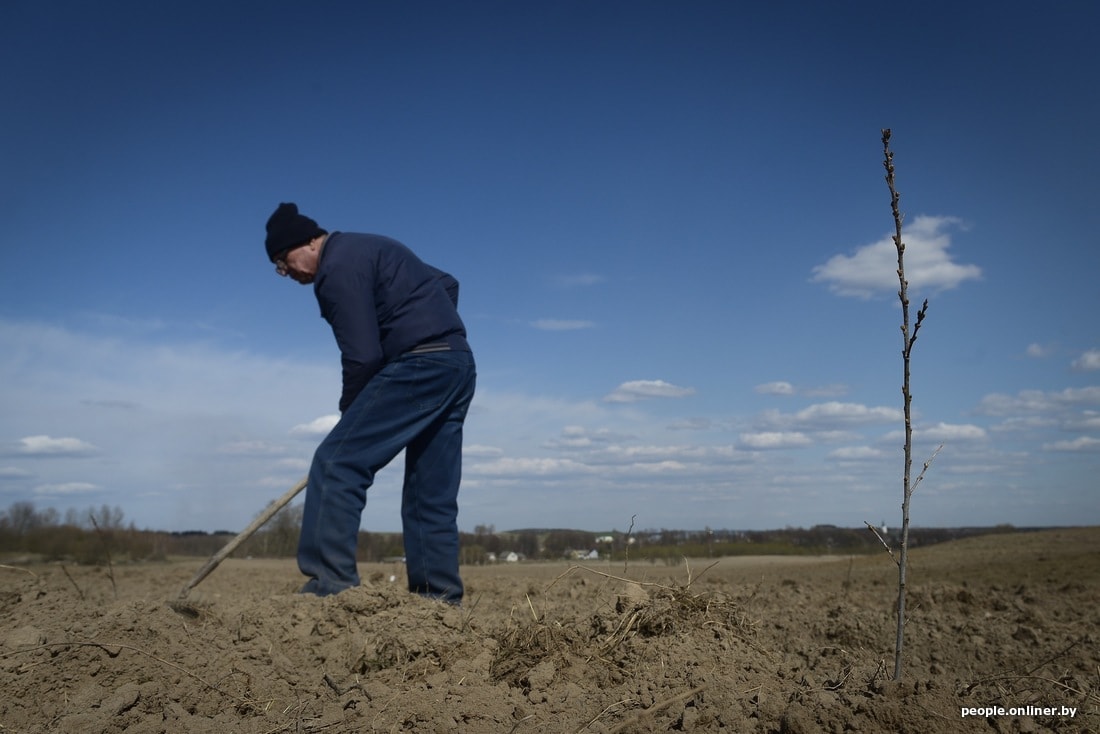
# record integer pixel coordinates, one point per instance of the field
(738, 645)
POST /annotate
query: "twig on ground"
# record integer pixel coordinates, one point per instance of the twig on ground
(1060, 684)
(635, 720)
(600, 715)
(654, 584)
(515, 726)
(1030, 674)
(1057, 655)
(469, 614)
(624, 630)
(16, 568)
(532, 606)
(79, 591)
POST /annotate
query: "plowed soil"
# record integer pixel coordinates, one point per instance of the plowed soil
(733, 645)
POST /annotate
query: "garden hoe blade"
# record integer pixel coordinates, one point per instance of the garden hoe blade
(244, 535)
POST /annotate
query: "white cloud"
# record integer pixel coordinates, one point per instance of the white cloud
(846, 414)
(782, 387)
(660, 467)
(649, 453)
(66, 488)
(567, 441)
(529, 466)
(1038, 351)
(775, 440)
(549, 413)
(563, 324)
(635, 390)
(316, 428)
(281, 483)
(829, 416)
(1088, 421)
(581, 438)
(872, 269)
(1023, 423)
(1088, 361)
(856, 453)
(697, 423)
(478, 451)
(942, 432)
(250, 448)
(951, 432)
(1038, 401)
(1081, 443)
(48, 446)
(13, 472)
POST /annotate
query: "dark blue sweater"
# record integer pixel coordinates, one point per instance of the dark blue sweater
(382, 301)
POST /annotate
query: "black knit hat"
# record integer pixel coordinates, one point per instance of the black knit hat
(286, 228)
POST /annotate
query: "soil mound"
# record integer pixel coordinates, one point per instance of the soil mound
(737, 645)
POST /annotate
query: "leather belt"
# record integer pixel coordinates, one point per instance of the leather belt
(429, 348)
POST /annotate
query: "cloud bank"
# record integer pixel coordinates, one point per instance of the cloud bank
(186, 436)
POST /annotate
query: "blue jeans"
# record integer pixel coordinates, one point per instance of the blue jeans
(417, 403)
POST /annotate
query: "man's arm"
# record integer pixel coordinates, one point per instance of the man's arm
(449, 284)
(347, 303)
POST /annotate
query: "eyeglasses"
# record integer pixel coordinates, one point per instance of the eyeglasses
(280, 260)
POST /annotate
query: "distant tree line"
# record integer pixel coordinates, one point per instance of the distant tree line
(83, 537)
(94, 535)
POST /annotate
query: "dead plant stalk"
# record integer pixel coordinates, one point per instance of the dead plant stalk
(106, 552)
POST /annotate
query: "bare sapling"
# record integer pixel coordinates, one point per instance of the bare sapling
(909, 337)
(106, 552)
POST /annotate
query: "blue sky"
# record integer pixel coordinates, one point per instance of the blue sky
(670, 225)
